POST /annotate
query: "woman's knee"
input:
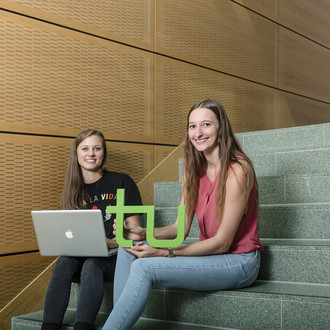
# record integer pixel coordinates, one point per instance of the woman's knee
(66, 267)
(64, 262)
(91, 263)
(251, 269)
(143, 267)
(92, 266)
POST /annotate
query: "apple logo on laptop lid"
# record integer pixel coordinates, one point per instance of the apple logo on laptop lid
(69, 234)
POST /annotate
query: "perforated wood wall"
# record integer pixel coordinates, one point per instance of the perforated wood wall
(57, 81)
(202, 32)
(133, 69)
(127, 21)
(267, 8)
(304, 66)
(179, 86)
(17, 272)
(310, 18)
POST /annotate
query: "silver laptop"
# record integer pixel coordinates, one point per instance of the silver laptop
(71, 233)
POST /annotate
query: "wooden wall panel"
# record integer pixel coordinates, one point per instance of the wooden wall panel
(127, 21)
(17, 271)
(32, 175)
(160, 153)
(268, 8)
(309, 18)
(137, 160)
(202, 32)
(166, 171)
(299, 111)
(304, 66)
(56, 81)
(30, 299)
(179, 85)
(33, 171)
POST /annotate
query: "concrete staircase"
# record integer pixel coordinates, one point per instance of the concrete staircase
(293, 287)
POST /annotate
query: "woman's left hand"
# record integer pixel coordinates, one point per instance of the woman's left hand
(141, 250)
(112, 243)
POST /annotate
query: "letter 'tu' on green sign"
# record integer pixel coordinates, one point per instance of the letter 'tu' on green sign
(120, 209)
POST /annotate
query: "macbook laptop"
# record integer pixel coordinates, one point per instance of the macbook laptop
(75, 233)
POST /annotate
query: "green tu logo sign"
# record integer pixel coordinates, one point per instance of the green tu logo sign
(120, 209)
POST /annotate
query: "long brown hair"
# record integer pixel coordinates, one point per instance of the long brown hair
(195, 165)
(73, 193)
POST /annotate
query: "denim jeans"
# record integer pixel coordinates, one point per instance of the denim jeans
(91, 272)
(134, 279)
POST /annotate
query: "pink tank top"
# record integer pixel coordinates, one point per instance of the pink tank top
(246, 238)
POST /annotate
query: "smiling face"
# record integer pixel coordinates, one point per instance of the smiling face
(203, 129)
(90, 154)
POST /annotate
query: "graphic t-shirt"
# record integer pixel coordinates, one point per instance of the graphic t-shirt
(103, 193)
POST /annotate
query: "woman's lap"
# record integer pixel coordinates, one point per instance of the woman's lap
(215, 272)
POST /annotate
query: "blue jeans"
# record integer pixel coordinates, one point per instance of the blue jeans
(91, 272)
(134, 279)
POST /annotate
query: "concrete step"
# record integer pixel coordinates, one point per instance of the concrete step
(290, 288)
(302, 162)
(264, 305)
(247, 310)
(286, 139)
(295, 221)
(294, 189)
(34, 320)
(291, 262)
(167, 194)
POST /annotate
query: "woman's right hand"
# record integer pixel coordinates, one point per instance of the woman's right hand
(131, 230)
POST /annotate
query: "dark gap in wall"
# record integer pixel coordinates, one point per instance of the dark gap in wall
(281, 25)
(18, 253)
(72, 137)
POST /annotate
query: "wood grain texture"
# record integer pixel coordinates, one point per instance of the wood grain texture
(303, 66)
(126, 21)
(309, 18)
(167, 170)
(179, 85)
(220, 35)
(17, 297)
(58, 81)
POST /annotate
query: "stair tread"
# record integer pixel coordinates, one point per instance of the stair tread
(295, 242)
(282, 242)
(151, 324)
(273, 289)
(267, 291)
(290, 288)
(33, 320)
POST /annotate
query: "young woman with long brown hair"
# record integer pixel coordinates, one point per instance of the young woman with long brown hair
(219, 185)
(87, 183)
